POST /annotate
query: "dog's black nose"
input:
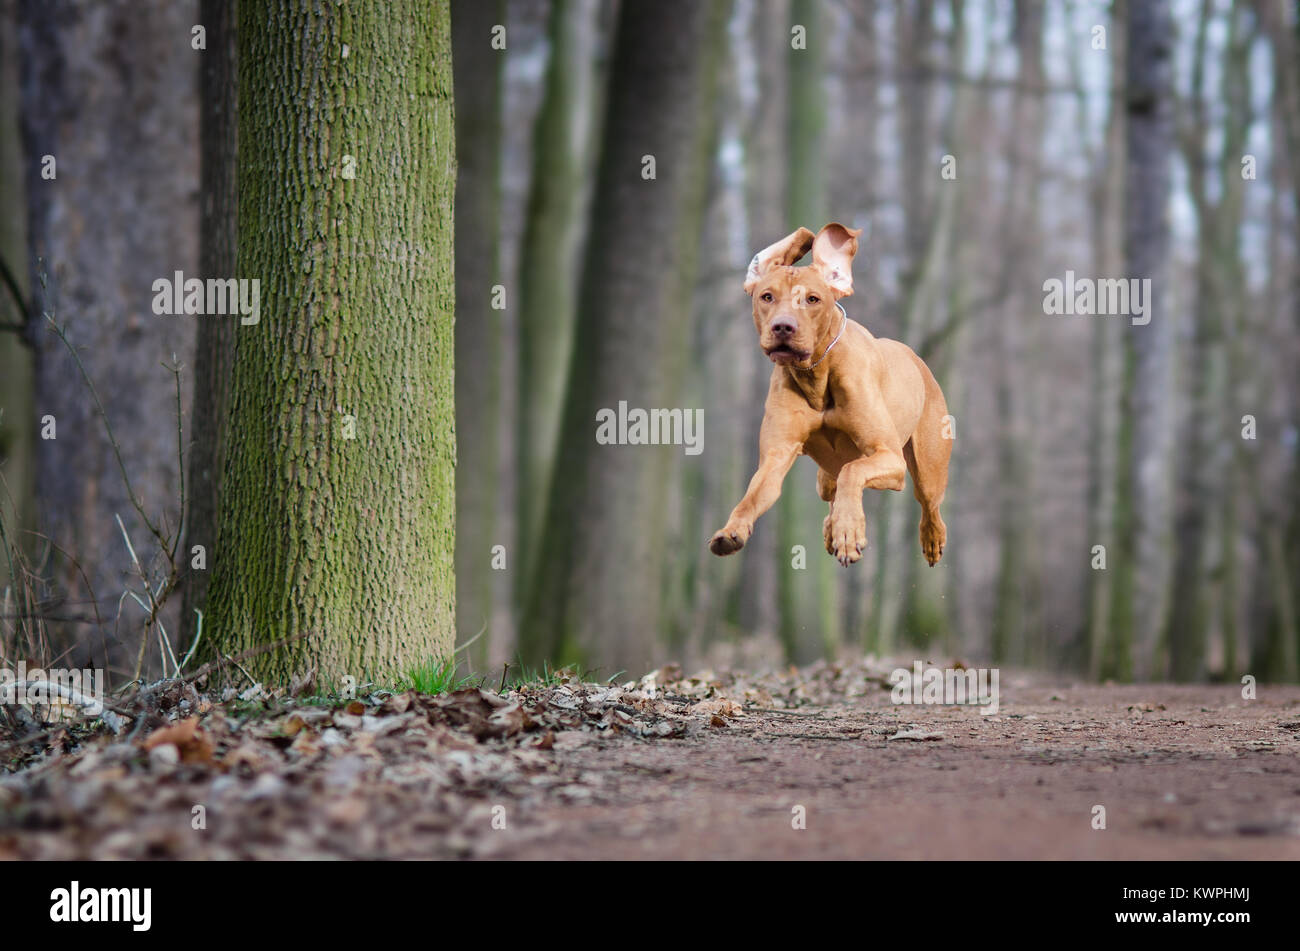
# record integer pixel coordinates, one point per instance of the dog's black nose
(784, 327)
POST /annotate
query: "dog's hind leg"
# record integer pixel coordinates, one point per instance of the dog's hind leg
(927, 454)
(826, 490)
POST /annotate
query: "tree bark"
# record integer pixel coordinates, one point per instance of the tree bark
(1204, 468)
(853, 191)
(17, 432)
(1018, 571)
(596, 597)
(108, 91)
(478, 69)
(215, 350)
(1098, 649)
(753, 602)
(338, 501)
(923, 237)
(549, 264)
(1142, 523)
(809, 596)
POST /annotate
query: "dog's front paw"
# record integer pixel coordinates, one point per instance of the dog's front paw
(933, 536)
(848, 536)
(729, 540)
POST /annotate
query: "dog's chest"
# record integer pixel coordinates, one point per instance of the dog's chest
(828, 446)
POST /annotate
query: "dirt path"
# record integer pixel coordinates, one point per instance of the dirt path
(671, 767)
(1183, 773)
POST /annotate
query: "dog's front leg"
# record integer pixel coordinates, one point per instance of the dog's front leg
(788, 421)
(764, 489)
(846, 527)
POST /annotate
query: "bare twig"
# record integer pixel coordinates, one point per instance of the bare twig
(175, 369)
(24, 307)
(243, 655)
(198, 633)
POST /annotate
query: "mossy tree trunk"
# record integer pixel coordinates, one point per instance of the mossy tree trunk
(923, 234)
(549, 265)
(337, 523)
(752, 602)
(809, 596)
(596, 597)
(927, 607)
(853, 160)
(17, 434)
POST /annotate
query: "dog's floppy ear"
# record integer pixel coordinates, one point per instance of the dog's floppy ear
(785, 252)
(833, 256)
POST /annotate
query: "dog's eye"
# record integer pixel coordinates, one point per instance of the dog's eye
(814, 299)
(767, 297)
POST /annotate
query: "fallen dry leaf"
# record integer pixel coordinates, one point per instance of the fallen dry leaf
(191, 743)
(918, 735)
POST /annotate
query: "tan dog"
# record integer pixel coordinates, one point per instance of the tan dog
(862, 407)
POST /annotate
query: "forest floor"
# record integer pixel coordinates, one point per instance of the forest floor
(813, 763)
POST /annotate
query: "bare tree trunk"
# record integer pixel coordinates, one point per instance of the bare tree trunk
(596, 597)
(1018, 585)
(521, 95)
(549, 264)
(808, 596)
(477, 68)
(936, 317)
(853, 162)
(1142, 521)
(98, 79)
(724, 363)
(1107, 241)
(923, 236)
(754, 599)
(214, 352)
(1280, 639)
(1204, 465)
(17, 324)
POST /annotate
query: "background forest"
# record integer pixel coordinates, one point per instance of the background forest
(985, 146)
(1146, 139)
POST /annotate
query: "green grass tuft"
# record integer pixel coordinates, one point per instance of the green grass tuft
(434, 676)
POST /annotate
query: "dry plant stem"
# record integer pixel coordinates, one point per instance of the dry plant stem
(198, 635)
(155, 604)
(98, 619)
(175, 369)
(152, 619)
(245, 673)
(242, 655)
(167, 545)
(23, 307)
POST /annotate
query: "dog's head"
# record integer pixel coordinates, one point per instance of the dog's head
(794, 307)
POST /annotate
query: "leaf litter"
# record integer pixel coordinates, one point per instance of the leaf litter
(409, 775)
(195, 776)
